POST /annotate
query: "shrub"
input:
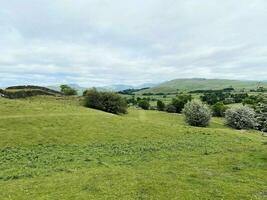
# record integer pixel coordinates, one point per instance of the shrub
(218, 109)
(197, 113)
(241, 117)
(160, 105)
(170, 108)
(180, 101)
(144, 104)
(106, 101)
(67, 90)
(261, 117)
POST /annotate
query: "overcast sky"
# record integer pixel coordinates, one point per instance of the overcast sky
(102, 42)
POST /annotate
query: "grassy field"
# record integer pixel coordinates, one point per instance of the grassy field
(53, 148)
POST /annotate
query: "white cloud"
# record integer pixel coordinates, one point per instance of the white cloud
(98, 42)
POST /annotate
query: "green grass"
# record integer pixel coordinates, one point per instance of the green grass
(53, 148)
(202, 84)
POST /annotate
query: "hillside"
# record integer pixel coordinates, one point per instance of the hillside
(23, 91)
(53, 148)
(202, 84)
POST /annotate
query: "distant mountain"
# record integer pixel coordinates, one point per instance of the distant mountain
(121, 87)
(202, 84)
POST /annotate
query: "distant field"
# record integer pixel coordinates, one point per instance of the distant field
(53, 148)
(202, 84)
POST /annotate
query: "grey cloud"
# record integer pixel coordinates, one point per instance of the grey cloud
(98, 42)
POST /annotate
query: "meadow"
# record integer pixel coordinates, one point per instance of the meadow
(54, 148)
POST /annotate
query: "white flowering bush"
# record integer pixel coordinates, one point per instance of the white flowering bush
(261, 117)
(197, 114)
(242, 117)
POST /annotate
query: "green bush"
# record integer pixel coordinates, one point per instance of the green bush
(218, 109)
(197, 114)
(180, 101)
(67, 90)
(170, 108)
(106, 101)
(261, 117)
(160, 105)
(144, 104)
(241, 117)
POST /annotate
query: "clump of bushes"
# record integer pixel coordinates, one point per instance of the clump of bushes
(218, 109)
(67, 90)
(261, 117)
(144, 104)
(180, 101)
(106, 101)
(170, 108)
(197, 114)
(242, 117)
(160, 105)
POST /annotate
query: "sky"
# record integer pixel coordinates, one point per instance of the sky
(106, 42)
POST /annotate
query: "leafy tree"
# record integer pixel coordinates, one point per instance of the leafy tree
(67, 90)
(197, 114)
(180, 101)
(144, 104)
(261, 117)
(218, 109)
(106, 101)
(160, 105)
(170, 108)
(241, 117)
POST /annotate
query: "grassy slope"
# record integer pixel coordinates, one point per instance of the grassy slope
(197, 84)
(55, 149)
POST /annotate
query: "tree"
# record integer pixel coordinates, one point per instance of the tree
(67, 90)
(160, 105)
(218, 109)
(106, 101)
(180, 101)
(261, 117)
(197, 114)
(170, 108)
(241, 117)
(144, 104)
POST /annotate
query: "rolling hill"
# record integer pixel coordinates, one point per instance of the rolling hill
(53, 148)
(202, 84)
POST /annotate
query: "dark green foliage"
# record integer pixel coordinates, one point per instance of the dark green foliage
(197, 113)
(144, 104)
(170, 108)
(160, 105)
(132, 91)
(213, 91)
(67, 90)
(218, 109)
(253, 100)
(261, 117)
(131, 101)
(222, 96)
(180, 101)
(106, 101)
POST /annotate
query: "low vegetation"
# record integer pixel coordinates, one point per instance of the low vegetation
(219, 109)
(106, 101)
(67, 90)
(144, 104)
(261, 117)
